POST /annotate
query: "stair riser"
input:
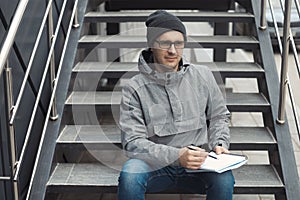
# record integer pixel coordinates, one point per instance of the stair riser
(91, 115)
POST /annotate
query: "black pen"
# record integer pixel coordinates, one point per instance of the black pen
(214, 157)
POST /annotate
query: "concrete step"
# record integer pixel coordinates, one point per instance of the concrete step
(108, 137)
(139, 41)
(94, 177)
(200, 16)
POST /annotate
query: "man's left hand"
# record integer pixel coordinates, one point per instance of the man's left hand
(219, 150)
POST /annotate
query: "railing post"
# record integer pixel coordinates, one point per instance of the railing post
(54, 115)
(75, 22)
(263, 21)
(10, 103)
(284, 62)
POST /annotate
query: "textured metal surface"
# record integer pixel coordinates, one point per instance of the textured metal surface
(242, 138)
(201, 16)
(117, 41)
(92, 177)
(115, 69)
(235, 101)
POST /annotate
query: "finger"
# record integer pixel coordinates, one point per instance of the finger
(198, 153)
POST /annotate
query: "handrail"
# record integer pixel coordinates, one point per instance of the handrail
(31, 60)
(75, 25)
(28, 133)
(286, 82)
(16, 163)
(10, 37)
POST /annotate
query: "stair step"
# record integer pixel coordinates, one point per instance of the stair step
(94, 177)
(236, 102)
(116, 5)
(105, 136)
(139, 41)
(129, 69)
(201, 16)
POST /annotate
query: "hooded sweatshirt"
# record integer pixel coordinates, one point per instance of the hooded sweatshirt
(163, 112)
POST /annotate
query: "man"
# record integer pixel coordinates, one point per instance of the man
(166, 108)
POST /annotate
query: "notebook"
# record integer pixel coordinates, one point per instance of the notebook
(221, 163)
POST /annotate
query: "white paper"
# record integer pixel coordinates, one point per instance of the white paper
(224, 162)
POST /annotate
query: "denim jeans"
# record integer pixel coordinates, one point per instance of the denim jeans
(138, 178)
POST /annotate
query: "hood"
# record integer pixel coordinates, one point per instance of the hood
(146, 67)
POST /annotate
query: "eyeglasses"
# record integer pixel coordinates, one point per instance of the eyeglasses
(166, 44)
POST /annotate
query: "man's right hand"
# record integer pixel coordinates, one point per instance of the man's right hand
(192, 157)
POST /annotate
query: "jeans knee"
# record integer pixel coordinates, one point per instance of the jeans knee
(225, 182)
(134, 174)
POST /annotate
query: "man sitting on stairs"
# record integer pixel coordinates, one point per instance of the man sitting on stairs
(166, 108)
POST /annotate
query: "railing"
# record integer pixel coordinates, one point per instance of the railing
(12, 109)
(284, 50)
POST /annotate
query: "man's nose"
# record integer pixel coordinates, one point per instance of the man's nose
(172, 49)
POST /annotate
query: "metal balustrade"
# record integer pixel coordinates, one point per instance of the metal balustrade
(12, 109)
(284, 50)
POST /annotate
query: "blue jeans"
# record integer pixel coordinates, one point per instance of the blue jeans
(138, 178)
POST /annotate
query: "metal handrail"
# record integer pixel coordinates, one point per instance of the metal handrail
(292, 41)
(11, 34)
(285, 77)
(73, 24)
(31, 60)
(28, 133)
(13, 109)
(5, 50)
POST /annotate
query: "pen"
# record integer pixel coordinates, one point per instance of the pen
(214, 157)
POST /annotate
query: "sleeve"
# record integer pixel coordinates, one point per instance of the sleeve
(218, 116)
(134, 138)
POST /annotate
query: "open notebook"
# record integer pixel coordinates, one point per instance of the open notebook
(221, 163)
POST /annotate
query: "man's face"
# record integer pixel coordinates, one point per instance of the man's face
(167, 51)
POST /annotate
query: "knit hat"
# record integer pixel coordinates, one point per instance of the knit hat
(161, 22)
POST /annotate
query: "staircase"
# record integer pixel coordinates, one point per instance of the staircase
(88, 151)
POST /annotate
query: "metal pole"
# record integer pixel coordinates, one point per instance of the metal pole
(75, 22)
(54, 115)
(263, 21)
(284, 62)
(10, 36)
(9, 94)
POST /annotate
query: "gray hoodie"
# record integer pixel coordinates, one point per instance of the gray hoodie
(163, 112)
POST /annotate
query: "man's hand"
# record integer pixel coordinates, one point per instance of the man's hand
(192, 158)
(219, 150)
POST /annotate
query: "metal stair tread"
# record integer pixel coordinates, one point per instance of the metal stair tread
(97, 135)
(201, 16)
(233, 69)
(139, 41)
(97, 177)
(244, 101)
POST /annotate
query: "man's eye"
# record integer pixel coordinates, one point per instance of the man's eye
(165, 43)
(178, 43)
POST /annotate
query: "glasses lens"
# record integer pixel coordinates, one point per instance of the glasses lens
(165, 44)
(179, 44)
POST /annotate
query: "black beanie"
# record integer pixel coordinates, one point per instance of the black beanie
(161, 22)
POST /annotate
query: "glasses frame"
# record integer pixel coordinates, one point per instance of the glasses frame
(170, 44)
